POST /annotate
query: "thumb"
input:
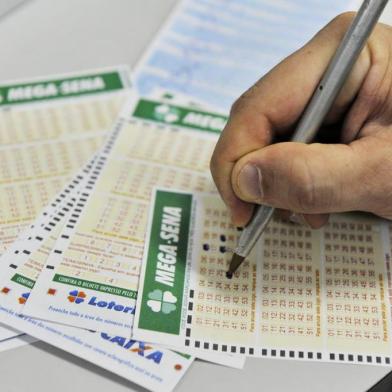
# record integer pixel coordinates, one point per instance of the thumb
(310, 179)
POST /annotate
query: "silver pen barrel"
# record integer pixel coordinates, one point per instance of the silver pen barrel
(338, 69)
(253, 230)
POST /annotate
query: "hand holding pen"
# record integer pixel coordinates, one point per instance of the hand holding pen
(313, 180)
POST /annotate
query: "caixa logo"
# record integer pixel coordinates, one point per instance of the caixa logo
(140, 348)
(78, 297)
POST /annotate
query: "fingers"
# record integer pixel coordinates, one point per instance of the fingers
(372, 102)
(314, 221)
(273, 106)
(307, 179)
(226, 153)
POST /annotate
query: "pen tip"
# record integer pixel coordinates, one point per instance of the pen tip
(236, 261)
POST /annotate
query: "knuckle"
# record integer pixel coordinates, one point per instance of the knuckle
(214, 164)
(343, 20)
(237, 106)
(242, 102)
(336, 28)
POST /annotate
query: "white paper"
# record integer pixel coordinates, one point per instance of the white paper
(213, 50)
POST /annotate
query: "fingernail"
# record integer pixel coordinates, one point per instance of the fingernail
(249, 182)
(298, 219)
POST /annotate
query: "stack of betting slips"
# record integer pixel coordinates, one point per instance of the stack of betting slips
(125, 266)
(70, 277)
(115, 243)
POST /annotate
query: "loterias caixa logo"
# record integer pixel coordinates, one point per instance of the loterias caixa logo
(78, 297)
(23, 298)
(140, 348)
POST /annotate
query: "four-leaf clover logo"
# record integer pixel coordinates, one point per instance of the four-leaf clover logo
(162, 301)
(166, 113)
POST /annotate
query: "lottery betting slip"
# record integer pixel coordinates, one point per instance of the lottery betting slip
(321, 295)
(103, 298)
(91, 277)
(149, 365)
(49, 127)
(23, 261)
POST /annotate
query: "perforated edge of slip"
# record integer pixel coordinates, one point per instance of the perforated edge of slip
(83, 197)
(359, 358)
(48, 220)
(274, 352)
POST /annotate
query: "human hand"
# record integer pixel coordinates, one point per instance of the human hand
(315, 179)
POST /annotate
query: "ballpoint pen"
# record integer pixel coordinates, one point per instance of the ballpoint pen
(315, 112)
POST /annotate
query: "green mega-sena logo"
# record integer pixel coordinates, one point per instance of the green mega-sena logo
(166, 263)
(60, 88)
(178, 115)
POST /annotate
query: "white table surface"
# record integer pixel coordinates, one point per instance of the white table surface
(52, 36)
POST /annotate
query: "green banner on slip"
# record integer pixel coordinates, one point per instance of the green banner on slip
(166, 263)
(177, 115)
(87, 284)
(60, 88)
(22, 280)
